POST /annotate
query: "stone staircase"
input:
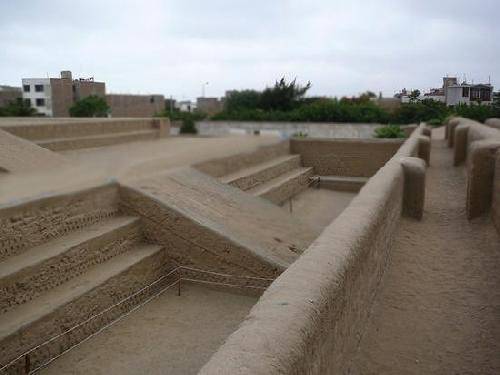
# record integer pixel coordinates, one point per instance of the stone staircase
(73, 134)
(342, 183)
(84, 264)
(276, 180)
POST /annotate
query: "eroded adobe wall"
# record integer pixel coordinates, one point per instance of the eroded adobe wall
(476, 145)
(71, 128)
(20, 155)
(205, 223)
(310, 319)
(224, 166)
(495, 212)
(28, 224)
(493, 123)
(345, 157)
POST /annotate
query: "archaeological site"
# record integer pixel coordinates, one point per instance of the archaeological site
(128, 249)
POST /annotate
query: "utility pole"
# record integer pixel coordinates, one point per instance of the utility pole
(203, 89)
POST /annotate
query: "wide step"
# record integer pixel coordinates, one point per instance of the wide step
(254, 176)
(285, 186)
(31, 312)
(24, 276)
(61, 144)
(342, 183)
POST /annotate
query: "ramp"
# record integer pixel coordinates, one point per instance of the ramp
(20, 155)
(205, 222)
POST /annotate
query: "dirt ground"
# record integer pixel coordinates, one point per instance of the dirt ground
(170, 335)
(438, 310)
(125, 161)
(318, 207)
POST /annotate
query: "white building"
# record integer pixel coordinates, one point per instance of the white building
(453, 93)
(38, 92)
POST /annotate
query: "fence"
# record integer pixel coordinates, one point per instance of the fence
(24, 363)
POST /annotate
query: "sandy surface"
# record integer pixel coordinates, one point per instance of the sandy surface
(170, 335)
(438, 310)
(125, 162)
(318, 207)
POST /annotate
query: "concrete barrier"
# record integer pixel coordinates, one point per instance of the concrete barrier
(288, 129)
(310, 319)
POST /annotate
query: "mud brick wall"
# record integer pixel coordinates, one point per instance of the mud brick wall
(345, 157)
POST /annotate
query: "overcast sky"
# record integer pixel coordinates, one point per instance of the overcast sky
(172, 47)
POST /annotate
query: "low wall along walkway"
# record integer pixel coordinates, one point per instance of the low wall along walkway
(309, 320)
(478, 146)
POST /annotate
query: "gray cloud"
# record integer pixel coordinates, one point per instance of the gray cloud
(171, 47)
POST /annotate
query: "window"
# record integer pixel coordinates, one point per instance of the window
(27, 101)
(465, 92)
(26, 88)
(40, 102)
(39, 88)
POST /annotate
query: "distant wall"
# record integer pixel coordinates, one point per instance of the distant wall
(287, 129)
(345, 157)
(310, 319)
(39, 129)
(135, 105)
(224, 166)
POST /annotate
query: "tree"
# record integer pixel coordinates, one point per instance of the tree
(91, 106)
(283, 96)
(496, 103)
(414, 95)
(18, 108)
(238, 100)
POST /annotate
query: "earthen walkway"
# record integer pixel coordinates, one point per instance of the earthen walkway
(438, 309)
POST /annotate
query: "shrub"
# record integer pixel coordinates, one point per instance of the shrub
(389, 131)
(188, 119)
(18, 108)
(476, 112)
(188, 126)
(91, 106)
(416, 112)
(435, 122)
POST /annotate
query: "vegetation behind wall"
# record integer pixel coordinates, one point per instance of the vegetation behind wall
(17, 108)
(286, 101)
(91, 106)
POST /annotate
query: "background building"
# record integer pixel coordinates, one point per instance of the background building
(124, 105)
(54, 96)
(210, 106)
(454, 93)
(9, 94)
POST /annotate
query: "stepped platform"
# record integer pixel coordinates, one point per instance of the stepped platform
(342, 183)
(218, 225)
(19, 155)
(281, 188)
